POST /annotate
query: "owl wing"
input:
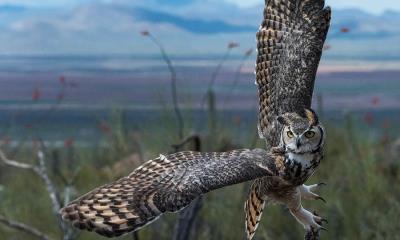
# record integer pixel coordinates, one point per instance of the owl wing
(289, 42)
(165, 184)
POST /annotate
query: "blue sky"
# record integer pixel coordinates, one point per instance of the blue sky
(374, 6)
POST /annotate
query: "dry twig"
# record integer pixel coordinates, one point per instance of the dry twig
(24, 228)
(41, 171)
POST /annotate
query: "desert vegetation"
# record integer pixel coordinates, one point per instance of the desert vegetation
(37, 176)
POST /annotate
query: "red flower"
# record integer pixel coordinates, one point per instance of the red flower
(248, 52)
(6, 141)
(385, 139)
(233, 45)
(145, 33)
(386, 124)
(104, 127)
(369, 118)
(69, 142)
(375, 101)
(345, 30)
(36, 94)
(60, 97)
(62, 80)
(237, 120)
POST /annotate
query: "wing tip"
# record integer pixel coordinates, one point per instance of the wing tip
(72, 214)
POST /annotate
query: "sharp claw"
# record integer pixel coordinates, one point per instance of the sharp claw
(321, 198)
(324, 229)
(321, 184)
(324, 220)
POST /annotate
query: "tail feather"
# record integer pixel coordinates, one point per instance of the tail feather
(253, 207)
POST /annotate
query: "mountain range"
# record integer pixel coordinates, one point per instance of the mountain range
(195, 27)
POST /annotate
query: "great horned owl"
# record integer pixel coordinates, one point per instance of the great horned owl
(290, 42)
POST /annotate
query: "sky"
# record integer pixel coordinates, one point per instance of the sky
(372, 6)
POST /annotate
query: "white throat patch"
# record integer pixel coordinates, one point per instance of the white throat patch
(304, 159)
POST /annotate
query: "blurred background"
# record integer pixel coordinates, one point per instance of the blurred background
(99, 87)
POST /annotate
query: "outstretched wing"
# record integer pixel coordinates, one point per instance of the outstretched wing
(165, 184)
(289, 42)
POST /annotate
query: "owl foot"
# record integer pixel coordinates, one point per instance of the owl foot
(314, 233)
(310, 221)
(307, 192)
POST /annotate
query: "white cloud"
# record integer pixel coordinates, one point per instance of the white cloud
(374, 6)
(40, 3)
(245, 3)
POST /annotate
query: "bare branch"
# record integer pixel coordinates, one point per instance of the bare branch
(14, 163)
(24, 228)
(51, 190)
(41, 171)
(186, 220)
(188, 216)
(195, 139)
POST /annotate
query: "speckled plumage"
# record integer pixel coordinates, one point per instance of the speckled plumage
(290, 42)
(165, 184)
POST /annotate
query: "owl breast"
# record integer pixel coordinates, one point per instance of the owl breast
(303, 166)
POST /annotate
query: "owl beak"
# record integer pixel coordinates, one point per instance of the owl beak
(298, 144)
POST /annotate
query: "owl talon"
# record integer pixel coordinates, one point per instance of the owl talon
(307, 192)
(321, 184)
(310, 221)
(321, 198)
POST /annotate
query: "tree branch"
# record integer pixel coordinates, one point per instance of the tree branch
(24, 228)
(41, 171)
(13, 163)
(188, 216)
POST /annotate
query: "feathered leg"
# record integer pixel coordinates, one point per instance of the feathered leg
(311, 222)
(253, 208)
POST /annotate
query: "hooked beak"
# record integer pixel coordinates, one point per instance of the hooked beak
(298, 144)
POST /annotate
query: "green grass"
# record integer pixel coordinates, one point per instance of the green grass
(361, 172)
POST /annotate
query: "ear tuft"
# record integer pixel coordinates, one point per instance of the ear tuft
(311, 116)
(282, 120)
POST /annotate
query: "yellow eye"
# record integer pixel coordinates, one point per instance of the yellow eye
(290, 134)
(309, 134)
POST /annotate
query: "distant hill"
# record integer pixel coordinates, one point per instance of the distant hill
(191, 27)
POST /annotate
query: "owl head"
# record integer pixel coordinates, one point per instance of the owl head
(301, 133)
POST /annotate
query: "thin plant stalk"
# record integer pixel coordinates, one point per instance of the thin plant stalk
(174, 91)
(238, 71)
(217, 70)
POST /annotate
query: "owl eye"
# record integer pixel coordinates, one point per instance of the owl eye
(309, 134)
(290, 134)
